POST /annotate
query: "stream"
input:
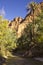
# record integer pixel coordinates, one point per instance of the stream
(16, 60)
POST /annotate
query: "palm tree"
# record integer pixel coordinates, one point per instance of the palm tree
(31, 9)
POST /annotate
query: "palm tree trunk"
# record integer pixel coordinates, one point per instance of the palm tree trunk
(33, 25)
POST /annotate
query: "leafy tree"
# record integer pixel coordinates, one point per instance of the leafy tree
(39, 28)
(7, 38)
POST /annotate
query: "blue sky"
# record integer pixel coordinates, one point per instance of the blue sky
(14, 8)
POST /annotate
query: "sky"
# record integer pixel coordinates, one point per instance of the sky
(14, 8)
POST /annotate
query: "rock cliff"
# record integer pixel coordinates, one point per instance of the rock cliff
(20, 24)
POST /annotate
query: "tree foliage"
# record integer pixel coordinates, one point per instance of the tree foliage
(32, 36)
(7, 37)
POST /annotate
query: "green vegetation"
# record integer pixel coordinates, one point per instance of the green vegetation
(30, 43)
(7, 38)
(32, 37)
(33, 34)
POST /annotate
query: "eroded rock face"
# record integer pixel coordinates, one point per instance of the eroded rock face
(20, 24)
(15, 23)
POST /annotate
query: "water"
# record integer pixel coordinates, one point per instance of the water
(22, 61)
